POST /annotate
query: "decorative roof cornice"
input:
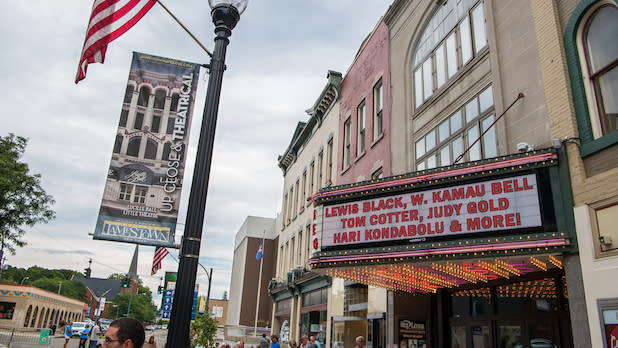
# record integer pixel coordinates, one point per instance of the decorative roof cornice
(328, 97)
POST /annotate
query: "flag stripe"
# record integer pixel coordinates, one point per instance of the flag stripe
(108, 21)
(159, 254)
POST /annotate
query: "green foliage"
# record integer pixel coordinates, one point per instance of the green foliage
(23, 202)
(48, 279)
(142, 308)
(203, 330)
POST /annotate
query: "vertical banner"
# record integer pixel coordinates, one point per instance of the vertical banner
(145, 177)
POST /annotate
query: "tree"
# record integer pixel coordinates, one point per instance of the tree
(23, 202)
(142, 308)
(47, 279)
(203, 330)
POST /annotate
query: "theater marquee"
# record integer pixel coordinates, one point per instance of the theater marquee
(495, 205)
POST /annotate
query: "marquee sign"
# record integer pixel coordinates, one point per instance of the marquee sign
(502, 204)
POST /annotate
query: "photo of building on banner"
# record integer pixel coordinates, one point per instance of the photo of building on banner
(145, 177)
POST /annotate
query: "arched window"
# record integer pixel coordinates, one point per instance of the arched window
(27, 319)
(167, 148)
(46, 318)
(128, 94)
(151, 149)
(144, 95)
(133, 148)
(159, 102)
(34, 316)
(118, 143)
(601, 67)
(41, 316)
(451, 38)
(174, 103)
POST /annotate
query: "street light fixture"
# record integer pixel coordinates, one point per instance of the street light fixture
(225, 15)
(23, 280)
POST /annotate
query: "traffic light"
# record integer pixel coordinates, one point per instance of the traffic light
(159, 289)
(125, 282)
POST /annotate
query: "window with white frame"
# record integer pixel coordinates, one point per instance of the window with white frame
(312, 178)
(347, 143)
(304, 191)
(360, 111)
(600, 66)
(451, 38)
(285, 210)
(442, 145)
(320, 165)
(377, 110)
(132, 193)
(329, 159)
(296, 197)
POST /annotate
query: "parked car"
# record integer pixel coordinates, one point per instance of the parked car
(105, 324)
(77, 328)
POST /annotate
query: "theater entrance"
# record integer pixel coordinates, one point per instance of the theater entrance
(527, 313)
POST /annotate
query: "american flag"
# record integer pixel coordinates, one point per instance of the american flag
(159, 254)
(109, 20)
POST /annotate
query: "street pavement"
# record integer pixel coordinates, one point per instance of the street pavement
(58, 341)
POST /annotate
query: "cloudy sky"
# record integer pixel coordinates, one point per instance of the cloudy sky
(277, 62)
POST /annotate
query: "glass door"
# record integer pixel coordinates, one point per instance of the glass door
(509, 334)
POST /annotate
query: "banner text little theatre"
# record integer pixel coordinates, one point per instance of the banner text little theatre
(486, 206)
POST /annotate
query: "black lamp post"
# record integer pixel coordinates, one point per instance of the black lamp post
(225, 14)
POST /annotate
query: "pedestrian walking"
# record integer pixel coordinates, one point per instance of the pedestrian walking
(83, 336)
(68, 333)
(94, 334)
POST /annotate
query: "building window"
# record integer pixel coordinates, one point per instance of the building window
(347, 143)
(174, 103)
(436, 55)
(124, 115)
(159, 101)
(167, 149)
(139, 120)
(118, 143)
(442, 145)
(329, 159)
(303, 196)
(156, 124)
(285, 210)
(140, 194)
(600, 67)
(296, 197)
(361, 128)
(144, 95)
(151, 149)
(377, 112)
(132, 193)
(292, 253)
(170, 125)
(307, 243)
(125, 192)
(378, 174)
(133, 147)
(320, 165)
(312, 178)
(128, 94)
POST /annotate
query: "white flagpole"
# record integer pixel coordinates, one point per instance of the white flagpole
(257, 304)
